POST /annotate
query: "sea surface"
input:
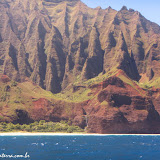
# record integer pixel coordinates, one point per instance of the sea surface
(81, 147)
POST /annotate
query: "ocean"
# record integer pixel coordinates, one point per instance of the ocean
(71, 147)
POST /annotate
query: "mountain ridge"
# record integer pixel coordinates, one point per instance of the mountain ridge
(71, 24)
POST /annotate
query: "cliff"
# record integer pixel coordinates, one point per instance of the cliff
(95, 67)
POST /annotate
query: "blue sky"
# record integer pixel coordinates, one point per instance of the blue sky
(148, 8)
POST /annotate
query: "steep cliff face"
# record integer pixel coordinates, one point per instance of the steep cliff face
(115, 105)
(57, 43)
(101, 64)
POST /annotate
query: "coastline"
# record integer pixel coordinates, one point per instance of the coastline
(67, 134)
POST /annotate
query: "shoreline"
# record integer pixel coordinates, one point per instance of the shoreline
(67, 134)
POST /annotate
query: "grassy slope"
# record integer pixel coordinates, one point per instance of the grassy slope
(22, 95)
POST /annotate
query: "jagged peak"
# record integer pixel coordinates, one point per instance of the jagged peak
(124, 8)
(98, 8)
(137, 13)
(131, 10)
(109, 7)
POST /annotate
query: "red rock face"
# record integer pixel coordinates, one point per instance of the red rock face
(116, 108)
(41, 109)
(128, 110)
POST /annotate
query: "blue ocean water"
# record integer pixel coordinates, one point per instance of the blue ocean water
(82, 147)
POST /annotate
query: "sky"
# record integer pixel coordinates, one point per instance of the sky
(150, 9)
